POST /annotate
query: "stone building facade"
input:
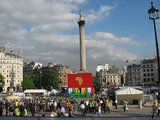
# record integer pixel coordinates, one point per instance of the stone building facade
(144, 73)
(63, 70)
(11, 67)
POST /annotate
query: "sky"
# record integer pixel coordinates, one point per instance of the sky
(47, 31)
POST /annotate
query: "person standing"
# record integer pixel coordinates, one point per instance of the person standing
(154, 107)
(82, 106)
(1, 107)
(125, 105)
(17, 112)
(32, 109)
(116, 102)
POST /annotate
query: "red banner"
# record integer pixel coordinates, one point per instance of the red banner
(80, 80)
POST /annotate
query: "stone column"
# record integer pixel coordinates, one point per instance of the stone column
(81, 24)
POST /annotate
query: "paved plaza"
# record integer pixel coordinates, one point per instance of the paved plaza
(134, 110)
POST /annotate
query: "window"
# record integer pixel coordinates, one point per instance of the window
(144, 79)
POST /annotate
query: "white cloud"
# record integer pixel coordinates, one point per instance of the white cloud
(111, 38)
(93, 15)
(38, 26)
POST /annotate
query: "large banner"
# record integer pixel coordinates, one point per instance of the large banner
(80, 80)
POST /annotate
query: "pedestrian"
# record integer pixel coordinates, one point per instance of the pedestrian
(63, 111)
(1, 107)
(125, 105)
(108, 105)
(154, 107)
(58, 111)
(98, 110)
(17, 112)
(82, 107)
(7, 107)
(32, 109)
(116, 103)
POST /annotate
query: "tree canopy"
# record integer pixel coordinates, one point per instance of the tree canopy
(50, 79)
(28, 82)
(2, 82)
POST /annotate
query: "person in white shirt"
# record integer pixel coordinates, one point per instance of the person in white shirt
(82, 106)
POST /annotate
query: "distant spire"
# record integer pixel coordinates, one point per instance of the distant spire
(80, 15)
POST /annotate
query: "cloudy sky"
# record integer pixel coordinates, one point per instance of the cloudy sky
(47, 30)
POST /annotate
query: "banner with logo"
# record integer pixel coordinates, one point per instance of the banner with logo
(80, 80)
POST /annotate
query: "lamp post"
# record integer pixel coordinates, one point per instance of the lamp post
(153, 15)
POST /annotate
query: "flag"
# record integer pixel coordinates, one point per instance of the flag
(80, 80)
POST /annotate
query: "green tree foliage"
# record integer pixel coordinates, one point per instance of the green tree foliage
(96, 84)
(94, 80)
(28, 82)
(37, 77)
(50, 79)
(2, 82)
(2, 79)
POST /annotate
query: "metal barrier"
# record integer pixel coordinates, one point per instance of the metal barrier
(80, 118)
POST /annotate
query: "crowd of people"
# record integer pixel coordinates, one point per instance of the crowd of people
(64, 107)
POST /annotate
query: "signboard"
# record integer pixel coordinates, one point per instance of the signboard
(80, 80)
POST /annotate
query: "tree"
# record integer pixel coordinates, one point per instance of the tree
(2, 82)
(50, 79)
(37, 78)
(96, 84)
(94, 80)
(28, 82)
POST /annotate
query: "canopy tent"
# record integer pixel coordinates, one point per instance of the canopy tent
(132, 95)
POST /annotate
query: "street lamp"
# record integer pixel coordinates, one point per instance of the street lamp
(153, 15)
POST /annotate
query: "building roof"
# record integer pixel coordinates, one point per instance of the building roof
(128, 91)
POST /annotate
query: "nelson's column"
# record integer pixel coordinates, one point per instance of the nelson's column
(81, 24)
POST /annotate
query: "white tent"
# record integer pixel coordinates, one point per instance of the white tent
(132, 95)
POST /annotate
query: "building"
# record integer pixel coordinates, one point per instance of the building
(108, 76)
(38, 69)
(134, 75)
(11, 67)
(144, 73)
(63, 70)
(149, 73)
(28, 68)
